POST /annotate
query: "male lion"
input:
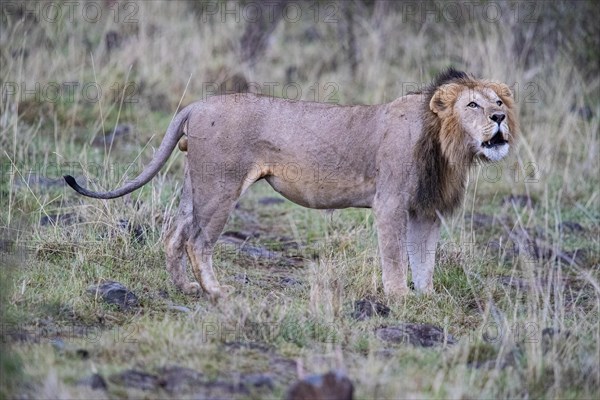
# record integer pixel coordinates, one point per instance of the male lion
(407, 160)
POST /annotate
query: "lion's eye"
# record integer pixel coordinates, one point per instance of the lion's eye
(499, 102)
(472, 105)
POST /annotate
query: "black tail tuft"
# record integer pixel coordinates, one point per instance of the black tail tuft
(73, 183)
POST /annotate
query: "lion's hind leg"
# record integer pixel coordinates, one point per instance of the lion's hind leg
(177, 237)
(200, 246)
(175, 255)
(213, 202)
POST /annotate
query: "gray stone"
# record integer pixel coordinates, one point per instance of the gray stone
(332, 385)
(364, 309)
(135, 379)
(115, 293)
(422, 335)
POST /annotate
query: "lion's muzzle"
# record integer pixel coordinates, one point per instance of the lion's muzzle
(496, 140)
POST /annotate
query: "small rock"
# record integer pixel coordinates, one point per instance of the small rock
(135, 379)
(83, 354)
(115, 293)
(241, 246)
(177, 379)
(136, 231)
(423, 335)
(332, 385)
(95, 381)
(258, 381)
(289, 281)
(241, 278)
(365, 308)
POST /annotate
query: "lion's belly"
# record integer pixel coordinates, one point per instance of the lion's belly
(318, 190)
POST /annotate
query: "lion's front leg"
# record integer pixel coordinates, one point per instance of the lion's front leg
(423, 235)
(391, 234)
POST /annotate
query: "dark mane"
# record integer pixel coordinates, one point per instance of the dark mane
(446, 76)
(449, 75)
(441, 176)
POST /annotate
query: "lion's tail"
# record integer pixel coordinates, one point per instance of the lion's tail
(174, 133)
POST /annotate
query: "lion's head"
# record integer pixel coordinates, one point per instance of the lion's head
(464, 119)
(477, 117)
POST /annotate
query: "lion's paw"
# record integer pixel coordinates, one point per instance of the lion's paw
(398, 292)
(428, 291)
(192, 288)
(219, 293)
(227, 290)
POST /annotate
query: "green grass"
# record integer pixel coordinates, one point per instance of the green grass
(282, 311)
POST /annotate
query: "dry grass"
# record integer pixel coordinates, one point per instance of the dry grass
(496, 301)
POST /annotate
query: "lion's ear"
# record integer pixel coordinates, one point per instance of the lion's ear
(501, 89)
(443, 98)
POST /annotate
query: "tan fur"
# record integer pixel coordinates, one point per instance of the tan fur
(407, 160)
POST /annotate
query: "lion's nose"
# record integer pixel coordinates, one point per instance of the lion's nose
(497, 118)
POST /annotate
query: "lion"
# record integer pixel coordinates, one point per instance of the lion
(407, 160)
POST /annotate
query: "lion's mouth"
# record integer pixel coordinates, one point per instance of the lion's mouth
(496, 140)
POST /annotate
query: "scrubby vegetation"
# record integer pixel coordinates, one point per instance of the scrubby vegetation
(89, 93)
